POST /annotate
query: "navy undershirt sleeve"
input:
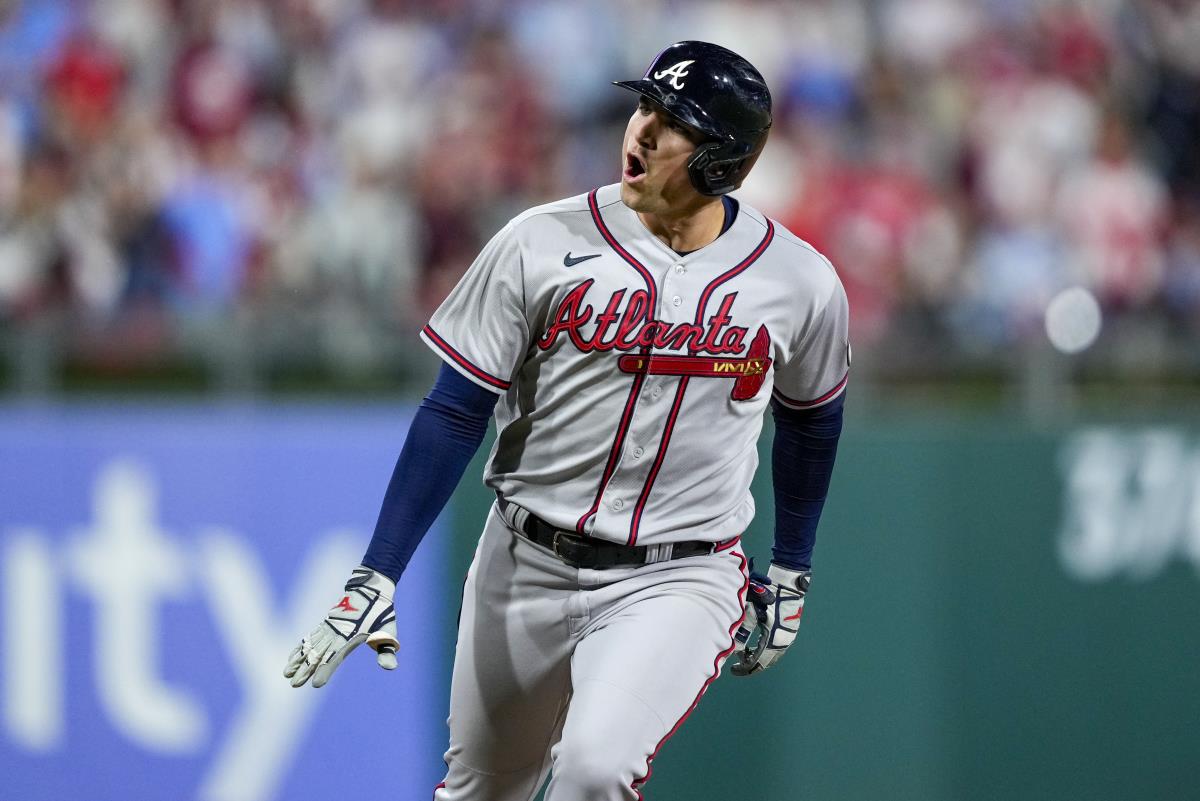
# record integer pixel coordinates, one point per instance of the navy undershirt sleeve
(802, 457)
(445, 433)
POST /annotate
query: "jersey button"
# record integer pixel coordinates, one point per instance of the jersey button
(677, 300)
(656, 392)
(637, 452)
(618, 504)
(679, 268)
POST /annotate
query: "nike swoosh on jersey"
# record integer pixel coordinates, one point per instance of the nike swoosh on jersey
(569, 261)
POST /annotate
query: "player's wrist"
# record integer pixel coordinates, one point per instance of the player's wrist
(790, 578)
(368, 578)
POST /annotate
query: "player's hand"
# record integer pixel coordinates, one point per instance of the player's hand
(364, 614)
(774, 604)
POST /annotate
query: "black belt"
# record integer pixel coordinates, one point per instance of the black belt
(581, 551)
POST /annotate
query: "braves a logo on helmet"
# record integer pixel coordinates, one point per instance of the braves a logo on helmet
(677, 73)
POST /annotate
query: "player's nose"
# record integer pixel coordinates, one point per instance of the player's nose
(645, 130)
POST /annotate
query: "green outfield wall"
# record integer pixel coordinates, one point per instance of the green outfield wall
(997, 613)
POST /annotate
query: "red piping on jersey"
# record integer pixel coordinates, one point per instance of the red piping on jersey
(461, 360)
(637, 783)
(635, 390)
(651, 287)
(725, 545)
(622, 428)
(683, 382)
(441, 786)
(795, 404)
(658, 460)
(746, 262)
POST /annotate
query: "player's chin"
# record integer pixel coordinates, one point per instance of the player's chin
(635, 195)
(630, 193)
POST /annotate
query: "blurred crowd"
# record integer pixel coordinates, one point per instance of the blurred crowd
(307, 178)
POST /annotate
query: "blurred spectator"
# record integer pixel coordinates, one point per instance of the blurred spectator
(325, 171)
(1162, 39)
(577, 48)
(925, 34)
(31, 34)
(1181, 282)
(82, 89)
(1011, 277)
(490, 158)
(34, 273)
(1112, 211)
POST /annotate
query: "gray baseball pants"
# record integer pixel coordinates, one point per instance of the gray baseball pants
(582, 674)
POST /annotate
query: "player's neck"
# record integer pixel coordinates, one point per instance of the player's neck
(687, 231)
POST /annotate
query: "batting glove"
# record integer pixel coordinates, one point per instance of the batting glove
(773, 608)
(364, 614)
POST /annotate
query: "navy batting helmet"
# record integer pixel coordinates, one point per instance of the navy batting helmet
(720, 94)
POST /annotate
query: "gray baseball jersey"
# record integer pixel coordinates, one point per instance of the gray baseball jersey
(634, 379)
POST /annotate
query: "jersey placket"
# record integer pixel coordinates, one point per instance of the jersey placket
(649, 420)
(674, 313)
(615, 505)
(656, 411)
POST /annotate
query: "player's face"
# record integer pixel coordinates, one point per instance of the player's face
(654, 157)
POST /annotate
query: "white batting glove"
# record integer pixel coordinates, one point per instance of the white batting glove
(364, 614)
(774, 605)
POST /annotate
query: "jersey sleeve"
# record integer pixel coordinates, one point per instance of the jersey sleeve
(481, 329)
(820, 364)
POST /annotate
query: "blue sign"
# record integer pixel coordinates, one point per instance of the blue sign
(156, 566)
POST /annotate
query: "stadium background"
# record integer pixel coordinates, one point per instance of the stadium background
(222, 223)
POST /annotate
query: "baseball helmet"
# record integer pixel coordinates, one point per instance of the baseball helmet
(721, 95)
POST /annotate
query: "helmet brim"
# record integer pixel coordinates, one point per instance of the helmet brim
(678, 107)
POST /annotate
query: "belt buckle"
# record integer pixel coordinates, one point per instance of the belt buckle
(554, 543)
(555, 546)
(563, 538)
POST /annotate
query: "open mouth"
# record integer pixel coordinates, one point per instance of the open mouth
(634, 167)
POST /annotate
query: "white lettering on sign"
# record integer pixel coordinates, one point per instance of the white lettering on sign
(33, 655)
(1131, 503)
(129, 568)
(267, 729)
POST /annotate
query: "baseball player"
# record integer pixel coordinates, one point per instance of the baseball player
(627, 342)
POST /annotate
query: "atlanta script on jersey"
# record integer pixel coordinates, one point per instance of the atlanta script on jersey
(634, 379)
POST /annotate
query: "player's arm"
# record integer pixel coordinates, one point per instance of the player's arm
(807, 401)
(802, 458)
(445, 434)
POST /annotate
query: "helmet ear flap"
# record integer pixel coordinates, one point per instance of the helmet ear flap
(715, 170)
